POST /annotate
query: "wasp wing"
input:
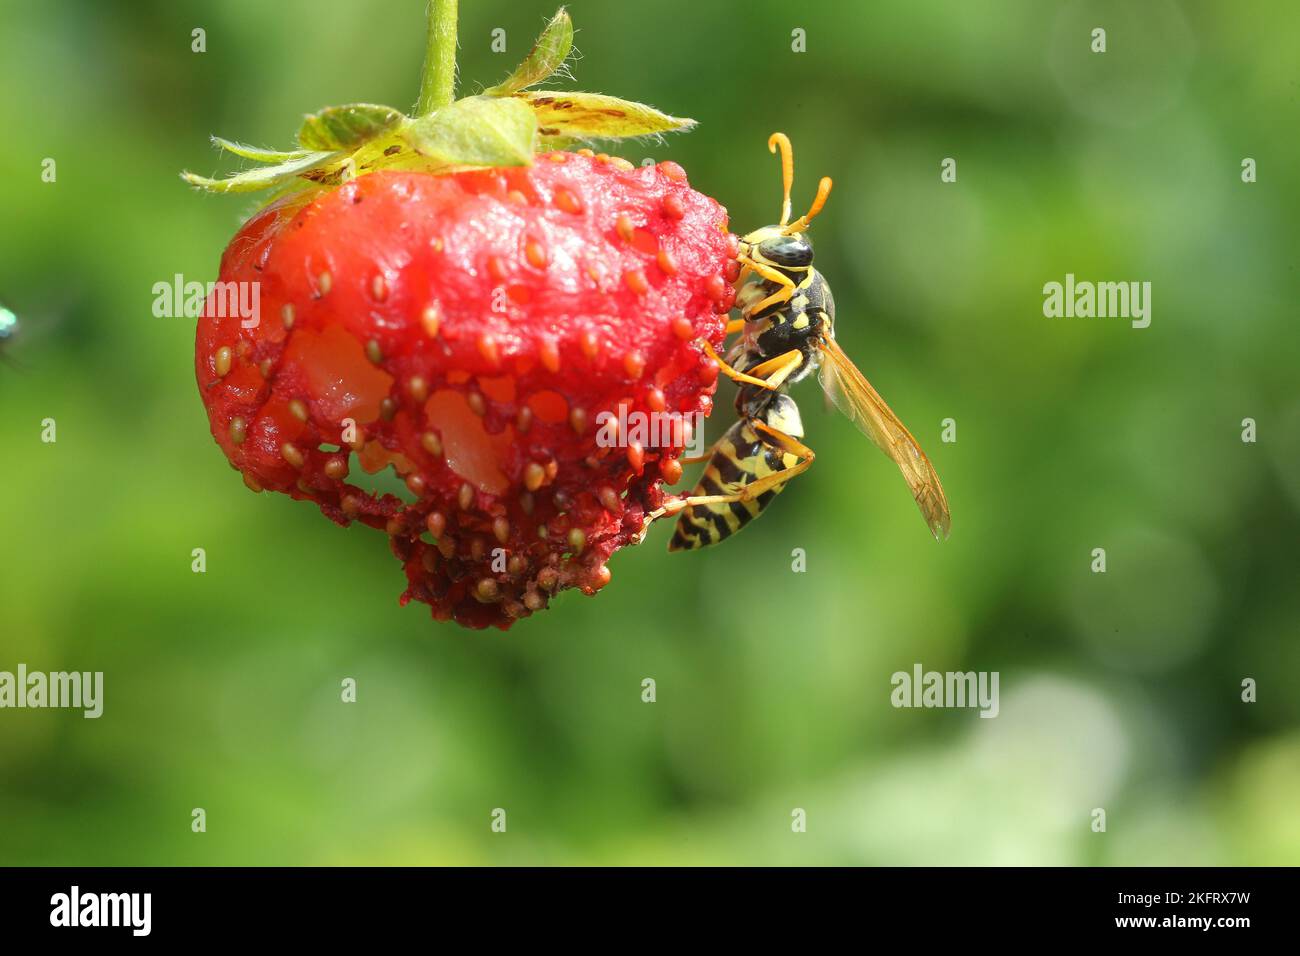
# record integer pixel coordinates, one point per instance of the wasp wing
(853, 395)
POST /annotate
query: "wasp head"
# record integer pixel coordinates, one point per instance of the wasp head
(773, 245)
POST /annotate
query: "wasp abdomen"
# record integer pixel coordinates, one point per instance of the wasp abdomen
(743, 455)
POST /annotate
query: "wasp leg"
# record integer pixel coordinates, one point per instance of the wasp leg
(734, 326)
(783, 364)
(785, 285)
(754, 488)
(776, 370)
(694, 459)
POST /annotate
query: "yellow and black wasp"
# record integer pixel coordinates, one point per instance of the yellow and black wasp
(787, 331)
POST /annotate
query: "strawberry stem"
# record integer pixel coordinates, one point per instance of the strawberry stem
(438, 80)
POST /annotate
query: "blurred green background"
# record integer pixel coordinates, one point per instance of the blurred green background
(1119, 691)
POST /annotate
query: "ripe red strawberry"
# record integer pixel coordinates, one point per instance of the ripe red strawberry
(467, 327)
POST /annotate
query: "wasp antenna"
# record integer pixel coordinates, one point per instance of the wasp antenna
(787, 170)
(823, 193)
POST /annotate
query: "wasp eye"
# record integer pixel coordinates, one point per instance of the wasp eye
(787, 250)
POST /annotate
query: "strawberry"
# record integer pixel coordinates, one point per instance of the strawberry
(461, 309)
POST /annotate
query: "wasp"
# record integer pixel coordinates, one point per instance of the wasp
(787, 331)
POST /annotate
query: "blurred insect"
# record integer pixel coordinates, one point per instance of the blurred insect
(9, 329)
(26, 329)
(787, 325)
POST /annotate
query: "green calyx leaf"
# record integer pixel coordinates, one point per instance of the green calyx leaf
(565, 118)
(347, 127)
(256, 154)
(476, 131)
(596, 116)
(546, 57)
(505, 126)
(264, 177)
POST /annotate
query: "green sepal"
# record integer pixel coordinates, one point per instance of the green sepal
(596, 116)
(264, 176)
(549, 144)
(347, 127)
(503, 127)
(255, 153)
(476, 131)
(546, 57)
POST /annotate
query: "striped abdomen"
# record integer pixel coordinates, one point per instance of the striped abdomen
(742, 455)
